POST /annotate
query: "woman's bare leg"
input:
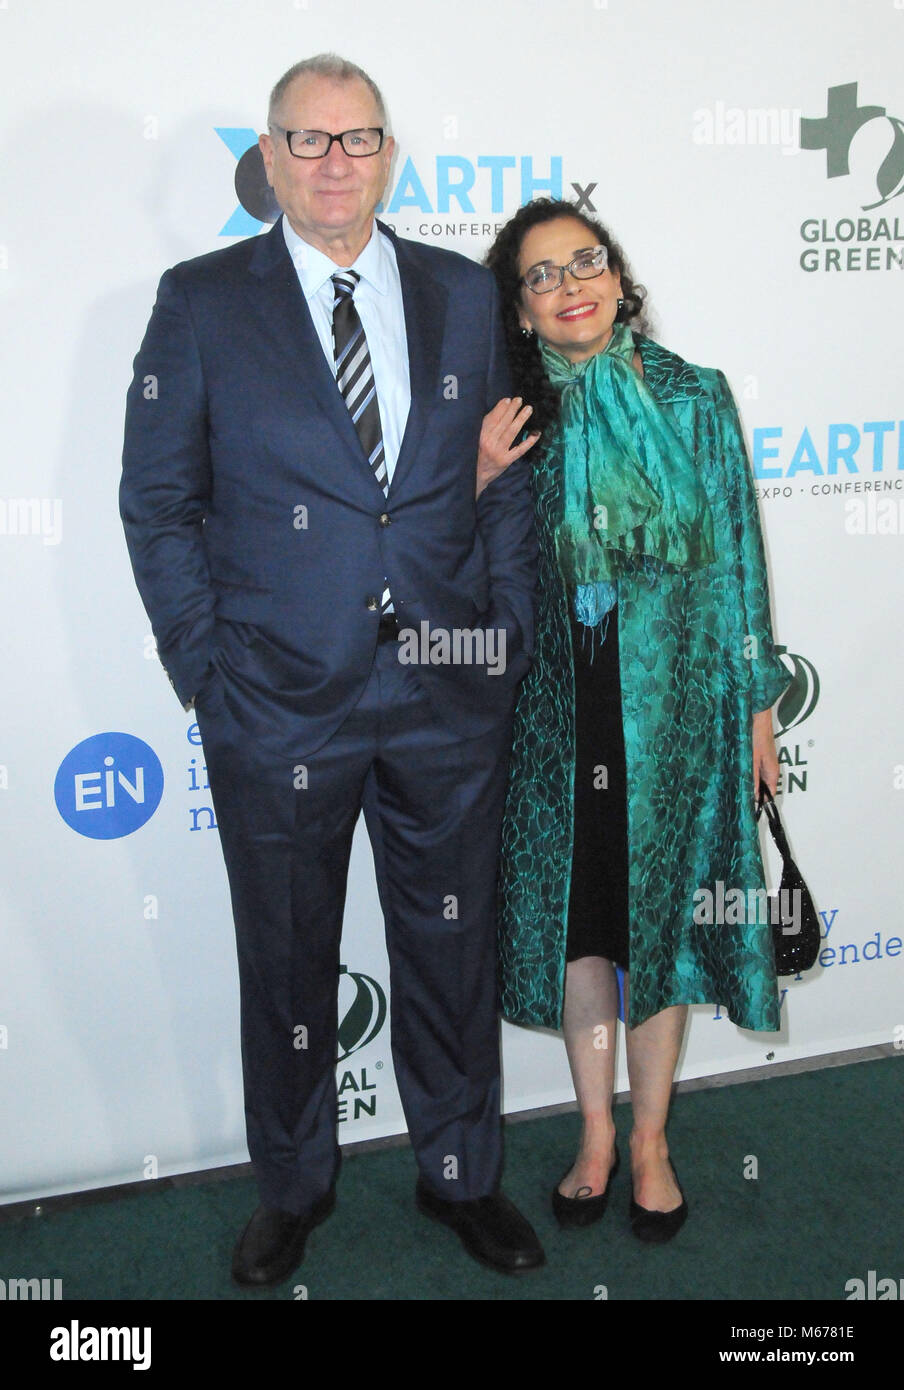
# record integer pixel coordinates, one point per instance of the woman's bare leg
(652, 1052)
(589, 1021)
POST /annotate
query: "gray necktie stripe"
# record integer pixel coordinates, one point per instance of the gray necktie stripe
(358, 367)
(365, 402)
(363, 382)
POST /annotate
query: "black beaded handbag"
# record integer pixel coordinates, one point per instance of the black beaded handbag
(795, 925)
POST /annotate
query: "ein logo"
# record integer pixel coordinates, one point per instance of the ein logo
(108, 786)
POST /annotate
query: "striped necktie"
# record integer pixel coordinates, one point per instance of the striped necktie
(355, 379)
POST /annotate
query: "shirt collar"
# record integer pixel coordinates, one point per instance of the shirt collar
(314, 268)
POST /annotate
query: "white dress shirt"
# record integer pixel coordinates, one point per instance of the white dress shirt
(378, 299)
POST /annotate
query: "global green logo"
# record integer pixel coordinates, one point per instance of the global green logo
(802, 695)
(362, 1011)
(835, 131)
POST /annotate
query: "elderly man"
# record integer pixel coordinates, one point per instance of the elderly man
(299, 493)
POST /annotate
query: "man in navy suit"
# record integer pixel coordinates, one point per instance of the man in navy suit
(298, 496)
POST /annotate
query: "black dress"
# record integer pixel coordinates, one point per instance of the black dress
(598, 905)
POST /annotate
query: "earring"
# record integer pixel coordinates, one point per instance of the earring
(527, 332)
(621, 305)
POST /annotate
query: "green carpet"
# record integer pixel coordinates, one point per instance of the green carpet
(826, 1207)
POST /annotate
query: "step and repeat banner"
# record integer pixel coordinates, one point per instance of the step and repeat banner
(750, 159)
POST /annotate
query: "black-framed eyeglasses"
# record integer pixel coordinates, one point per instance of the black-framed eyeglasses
(316, 144)
(542, 278)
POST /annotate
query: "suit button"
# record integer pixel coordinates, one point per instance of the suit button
(372, 603)
(385, 519)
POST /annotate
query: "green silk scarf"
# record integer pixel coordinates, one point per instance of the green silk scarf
(630, 492)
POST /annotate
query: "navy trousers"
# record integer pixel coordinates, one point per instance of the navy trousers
(433, 808)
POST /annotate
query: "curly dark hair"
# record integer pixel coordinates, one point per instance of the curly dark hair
(531, 381)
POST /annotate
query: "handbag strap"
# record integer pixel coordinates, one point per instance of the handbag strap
(767, 803)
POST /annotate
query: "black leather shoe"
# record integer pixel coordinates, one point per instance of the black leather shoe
(491, 1229)
(571, 1212)
(656, 1227)
(272, 1244)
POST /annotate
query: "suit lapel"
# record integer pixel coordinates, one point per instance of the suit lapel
(424, 301)
(279, 300)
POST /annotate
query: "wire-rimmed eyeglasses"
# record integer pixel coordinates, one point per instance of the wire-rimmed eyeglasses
(542, 278)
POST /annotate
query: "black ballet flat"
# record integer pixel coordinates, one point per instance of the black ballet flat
(656, 1227)
(573, 1212)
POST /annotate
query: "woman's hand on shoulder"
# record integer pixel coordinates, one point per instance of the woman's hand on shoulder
(501, 427)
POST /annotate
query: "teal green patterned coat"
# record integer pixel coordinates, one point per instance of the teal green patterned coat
(697, 659)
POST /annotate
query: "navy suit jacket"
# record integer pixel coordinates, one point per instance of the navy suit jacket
(259, 536)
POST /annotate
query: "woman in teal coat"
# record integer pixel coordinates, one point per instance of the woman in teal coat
(644, 725)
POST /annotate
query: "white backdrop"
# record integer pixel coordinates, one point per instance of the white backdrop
(119, 1052)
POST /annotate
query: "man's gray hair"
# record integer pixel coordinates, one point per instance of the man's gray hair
(324, 65)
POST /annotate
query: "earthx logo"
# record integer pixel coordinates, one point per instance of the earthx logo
(257, 203)
(861, 243)
(448, 185)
